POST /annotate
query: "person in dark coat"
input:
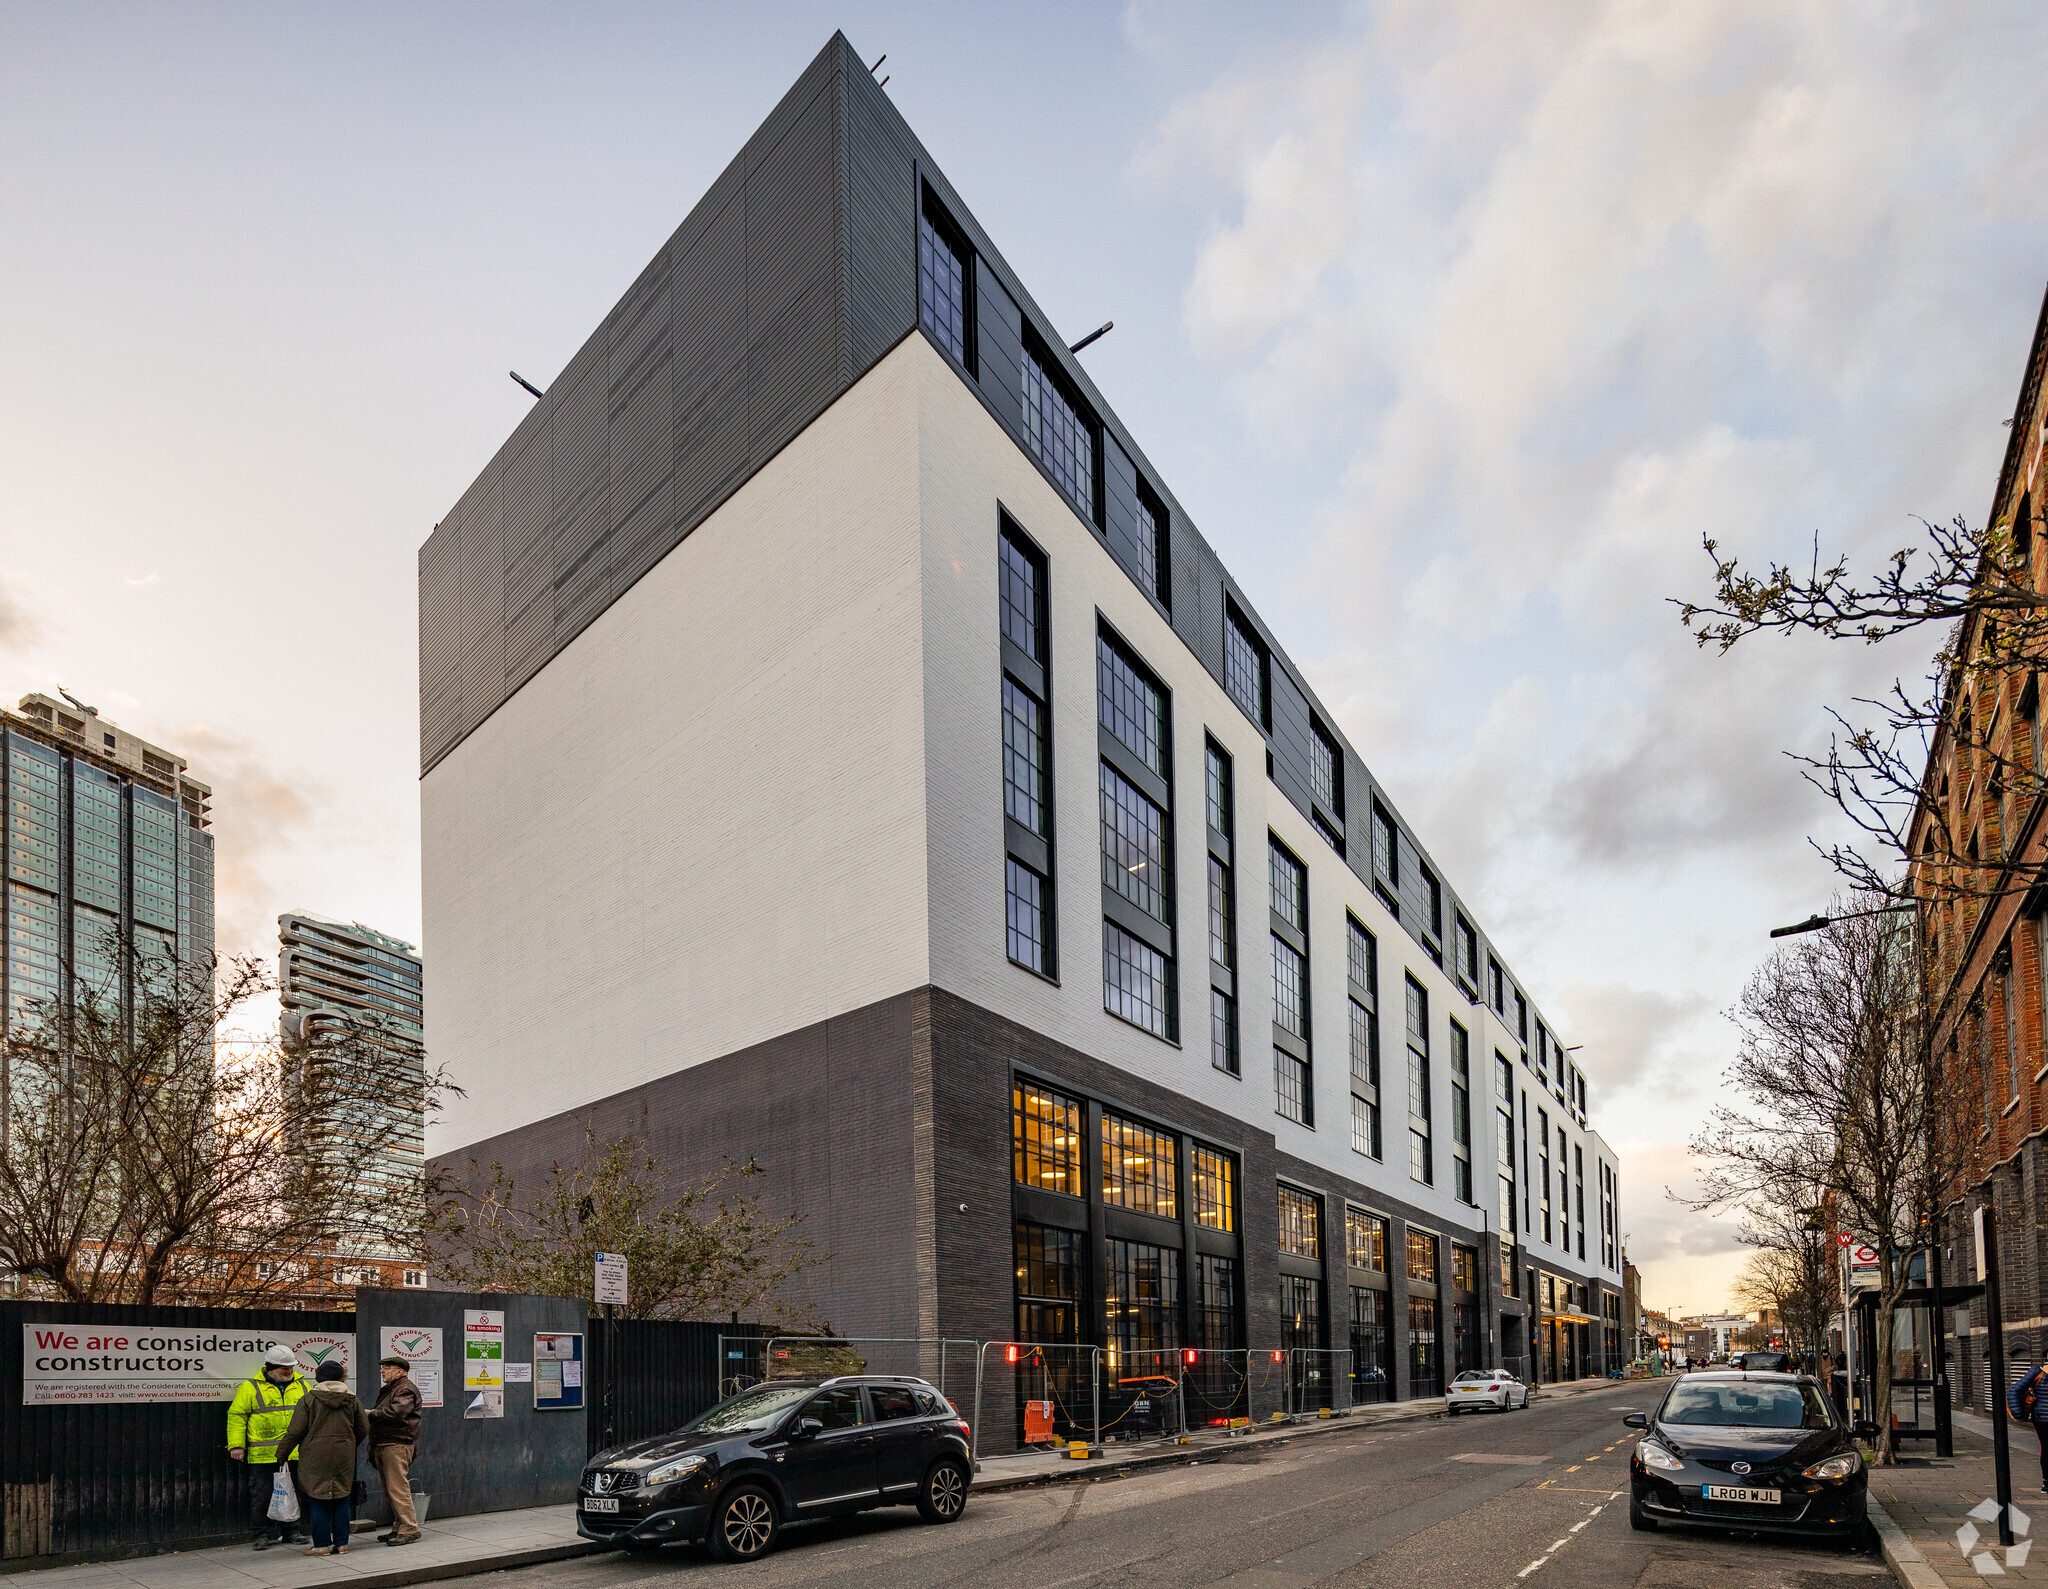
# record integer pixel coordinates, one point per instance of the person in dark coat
(394, 1439)
(2027, 1402)
(327, 1426)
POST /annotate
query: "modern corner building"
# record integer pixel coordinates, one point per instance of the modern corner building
(340, 980)
(105, 840)
(839, 747)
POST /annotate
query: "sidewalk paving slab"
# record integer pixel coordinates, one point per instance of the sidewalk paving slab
(1919, 1506)
(494, 1541)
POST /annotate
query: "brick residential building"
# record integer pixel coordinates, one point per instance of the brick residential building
(1982, 846)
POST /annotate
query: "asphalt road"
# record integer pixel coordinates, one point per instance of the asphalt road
(1499, 1501)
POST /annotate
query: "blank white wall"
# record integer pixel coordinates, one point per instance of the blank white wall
(697, 827)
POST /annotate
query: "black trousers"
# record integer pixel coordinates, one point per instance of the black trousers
(2041, 1433)
(262, 1477)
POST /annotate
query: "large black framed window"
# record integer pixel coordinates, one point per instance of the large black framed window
(945, 283)
(1027, 752)
(1137, 982)
(1130, 705)
(1136, 851)
(1301, 1223)
(1365, 1240)
(1141, 1294)
(1220, 823)
(1045, 1139)
(1421, 1137)
(1140, 1167)
(1245, 667)
(1216, 1302)
(1372, 1376)
(1215, 1189)
(1060, 434)
(1461, 1113)
(1051, 1274)
(1293, 1079)
(1155, 562)
(1425, 1364)
(1362, 974)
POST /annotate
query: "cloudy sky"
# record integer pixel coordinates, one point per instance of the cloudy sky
(1455, 327)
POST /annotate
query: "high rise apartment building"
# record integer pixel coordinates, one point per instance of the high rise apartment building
(106, 840)
(340, 982)
(840, 748)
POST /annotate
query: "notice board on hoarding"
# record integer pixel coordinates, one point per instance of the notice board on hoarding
(72, 1363)
(483, 1363)
(557, 1372)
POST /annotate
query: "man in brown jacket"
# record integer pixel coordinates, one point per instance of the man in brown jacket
(394, 1436)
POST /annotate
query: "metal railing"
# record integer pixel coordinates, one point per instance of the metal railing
(742, 1361)
(1062, 1378)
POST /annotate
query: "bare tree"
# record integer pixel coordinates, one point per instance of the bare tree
(142, 1165)
(1974, 589)
(700, 1250)
(1790, 1271)
(1841, 1105)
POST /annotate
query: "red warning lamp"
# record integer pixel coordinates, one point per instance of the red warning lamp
(1279, 1357)
(1188, 1357)
(1010, 1353)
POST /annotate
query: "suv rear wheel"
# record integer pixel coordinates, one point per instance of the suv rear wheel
(743, 1524)
(943, 1495)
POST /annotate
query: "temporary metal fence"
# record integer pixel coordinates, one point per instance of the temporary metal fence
(949, 1364)
(1063, 1381)
(742, 1362)
(1318, 1380)
(1370, 1381)
(1142, 1394)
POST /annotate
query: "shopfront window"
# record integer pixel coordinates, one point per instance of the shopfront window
(1140, 1168)
(1045, 1139)
(1215, 1189)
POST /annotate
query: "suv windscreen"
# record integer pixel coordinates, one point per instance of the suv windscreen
(750, 1409)
(1736, 1404)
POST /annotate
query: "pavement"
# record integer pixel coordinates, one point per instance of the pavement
(494, 1541)
(1921, 1506)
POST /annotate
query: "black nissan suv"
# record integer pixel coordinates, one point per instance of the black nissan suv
(784, 1451)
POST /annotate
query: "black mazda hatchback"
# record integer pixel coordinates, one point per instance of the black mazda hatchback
(785, 1451)
(1746, 1451)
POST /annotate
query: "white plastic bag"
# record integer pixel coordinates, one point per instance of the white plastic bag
(284, 1497)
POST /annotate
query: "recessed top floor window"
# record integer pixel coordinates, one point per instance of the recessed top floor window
(1045, 1139)
(1521, 1016)
(1496, 988)
(1215, 1189)
(1433, 897)
(944, 284)
(1466, 949)
(1301, 1223)
(1326, 770)
(1386, 854)
(1245, 665)
(1130, 705)
(1289, 879)
(1059, 434)
(1154, 560)
(1140, 1167)
(1021, 578)
(1365, 1240)
(1421, 1256)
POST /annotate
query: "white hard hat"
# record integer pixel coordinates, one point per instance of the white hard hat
(281, 1357)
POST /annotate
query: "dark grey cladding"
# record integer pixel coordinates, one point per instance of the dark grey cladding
(790, 278)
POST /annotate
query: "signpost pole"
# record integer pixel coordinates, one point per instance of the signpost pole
(1994, 1320)
(1944, 1424)
(609, 1288)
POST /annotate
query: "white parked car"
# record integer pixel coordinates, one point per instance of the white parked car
(1480, 1387)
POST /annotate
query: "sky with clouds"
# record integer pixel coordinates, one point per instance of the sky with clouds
(1456, 327)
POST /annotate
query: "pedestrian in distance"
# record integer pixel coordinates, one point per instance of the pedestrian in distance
(327, 1426)
(394, 1439)
(257, 1418)
(2027, 1402)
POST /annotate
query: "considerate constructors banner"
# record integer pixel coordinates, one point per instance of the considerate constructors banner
(71, 1363)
